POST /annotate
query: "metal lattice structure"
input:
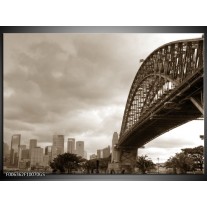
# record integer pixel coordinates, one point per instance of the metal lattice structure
(160, 77)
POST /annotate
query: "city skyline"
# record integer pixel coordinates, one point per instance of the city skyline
(77, 85)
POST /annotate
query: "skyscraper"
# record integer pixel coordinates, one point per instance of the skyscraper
(48, 151)
(106, 152)
(80, 148)
(32, 143)
(21, 147)
(58, 142)
(71, 145)
(15, 143)
(99, 153)
(114, 154)
(36, 156)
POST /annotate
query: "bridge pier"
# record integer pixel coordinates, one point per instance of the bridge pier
(126, 160)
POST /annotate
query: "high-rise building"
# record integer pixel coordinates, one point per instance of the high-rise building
(106, 152)
(25, 154)
(36, 157)
(99, 153)
(15, 143)
(48, 151)
(71, 146)
(114, 154)
(46, 160)
(103, 153)
(55, 152)
(21, 147)
(32, 143)
(58, 142)
(80, 148)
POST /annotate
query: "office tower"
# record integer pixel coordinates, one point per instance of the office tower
(99, 153)
(58, 142)
(71, 146)
(114, 154)
(80, 148)
(21, 147)
(46, 160)
(25, 154)
(15, 143)
(106, 152)
(55, 152)
(36, 157)
(32, 143)
(48, 150)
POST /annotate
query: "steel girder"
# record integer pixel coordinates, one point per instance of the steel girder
(160, 74)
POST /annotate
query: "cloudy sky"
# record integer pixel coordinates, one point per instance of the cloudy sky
(77, 85)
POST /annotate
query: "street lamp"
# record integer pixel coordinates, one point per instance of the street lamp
(158, 165)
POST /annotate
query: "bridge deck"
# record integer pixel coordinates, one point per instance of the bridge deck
(162, 118)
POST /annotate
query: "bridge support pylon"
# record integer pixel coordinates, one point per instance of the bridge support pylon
(126, 160)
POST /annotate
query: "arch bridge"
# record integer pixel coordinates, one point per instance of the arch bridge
(167, 92)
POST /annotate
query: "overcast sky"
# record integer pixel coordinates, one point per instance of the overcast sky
(77, 85)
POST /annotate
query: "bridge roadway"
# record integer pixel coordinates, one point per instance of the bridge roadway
(173, 110)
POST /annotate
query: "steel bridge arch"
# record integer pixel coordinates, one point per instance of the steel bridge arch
(171, 63)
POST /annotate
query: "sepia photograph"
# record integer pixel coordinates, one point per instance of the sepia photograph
(103, 104)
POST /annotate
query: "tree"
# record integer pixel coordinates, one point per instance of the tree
(172, 163)
(90, 166)
(97, 164)
(66, 163)
(197, 155)
(189, 159)
(144, 164)
(103, 163)
(181, 162)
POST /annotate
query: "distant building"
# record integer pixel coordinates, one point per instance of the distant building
(48, 151)
(58, 143)
(25, 154)
(106, 152)
(46, 160)
(93, 156)
(80, 148)
(32, 143)
(114, 154)
(55, 152)
(21, 147)
(14, 153)
(36, 156)
(103, 153)
(71, 145)
(99, 153)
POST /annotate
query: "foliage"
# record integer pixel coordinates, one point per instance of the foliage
(144, 164)
(190, 159)
(66, 163)
(197, 155)
(97, 165)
